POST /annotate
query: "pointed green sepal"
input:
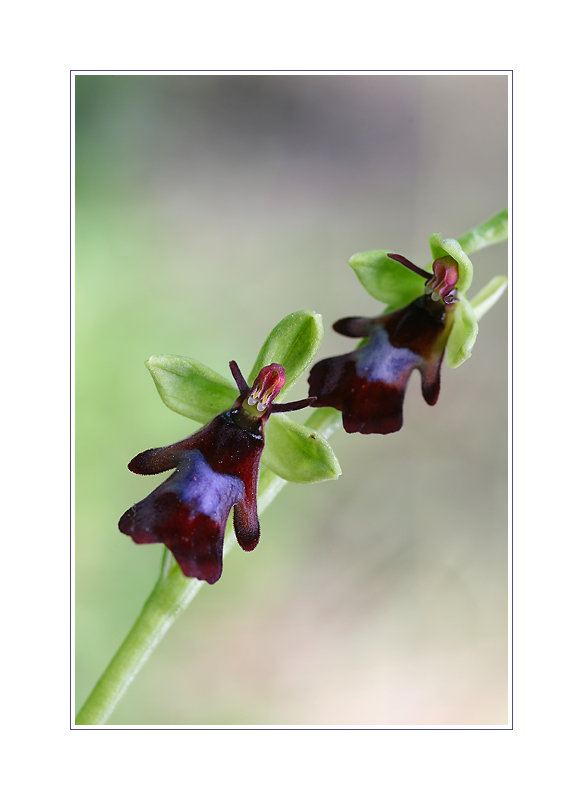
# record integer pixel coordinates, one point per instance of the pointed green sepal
(489, 295)
(297, 453)
(293, 343)
(386, 279)
(190, 388)
(451, 247)
(492, 231)
(463, 334)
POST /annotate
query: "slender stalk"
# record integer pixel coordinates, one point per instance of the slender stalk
(171, 595)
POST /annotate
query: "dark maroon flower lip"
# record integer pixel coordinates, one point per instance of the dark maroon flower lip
(368, 385)
(188, 513)
(215, 470)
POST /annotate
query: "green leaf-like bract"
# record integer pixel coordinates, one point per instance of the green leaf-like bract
(297, 453)
(385, 279)
(463, 334)
(493, 231)
(190, 388)
(293, 343)
(489, 295)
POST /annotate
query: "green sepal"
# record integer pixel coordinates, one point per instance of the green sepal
(386, 279)
(190, 388)
(451, 247)
(488, 296)
(297, 453)
(293, 343)
(463, 334)
(492, 231)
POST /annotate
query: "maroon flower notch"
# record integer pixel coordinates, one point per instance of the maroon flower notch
(368, 385)
(216, 469)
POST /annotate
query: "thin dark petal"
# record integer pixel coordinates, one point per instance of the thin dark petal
(410, 265)
(277, 408)
(242, 384)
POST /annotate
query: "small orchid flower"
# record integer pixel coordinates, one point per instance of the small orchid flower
(368, 385)
(217, 468)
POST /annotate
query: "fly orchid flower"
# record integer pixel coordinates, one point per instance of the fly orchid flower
(217, 468)
(368, 385)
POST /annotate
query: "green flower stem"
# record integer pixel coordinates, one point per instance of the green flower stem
(171, 595)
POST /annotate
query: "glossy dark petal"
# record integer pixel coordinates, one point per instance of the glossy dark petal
(368, 385)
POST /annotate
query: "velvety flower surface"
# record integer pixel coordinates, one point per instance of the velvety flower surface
(216, 469)
(368, 385)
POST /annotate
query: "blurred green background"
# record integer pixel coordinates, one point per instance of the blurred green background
(208, 207)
